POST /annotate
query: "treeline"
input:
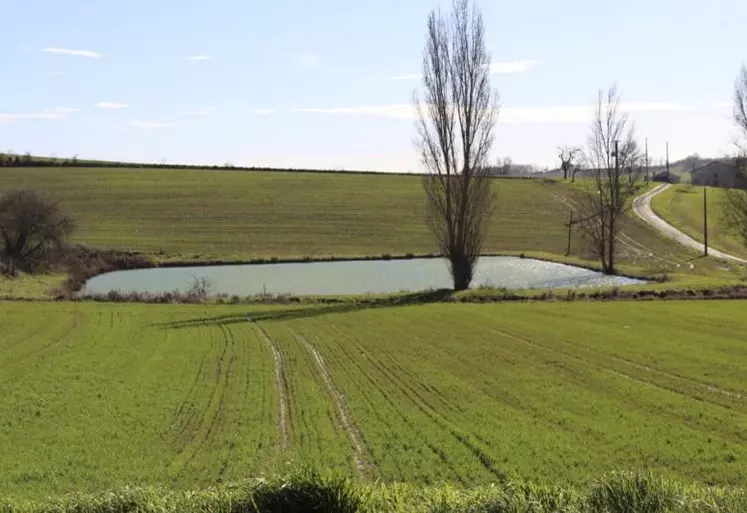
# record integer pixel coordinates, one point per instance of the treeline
(28, 160)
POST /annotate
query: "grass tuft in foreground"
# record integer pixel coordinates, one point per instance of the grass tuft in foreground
(308, 492)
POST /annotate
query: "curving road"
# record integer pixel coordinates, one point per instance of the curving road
(642, 207)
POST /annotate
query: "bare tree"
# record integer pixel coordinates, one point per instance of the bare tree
(569, 156)
(735, 200)
(579, 166)
(31, 228)
(455, 133)
(613, 159)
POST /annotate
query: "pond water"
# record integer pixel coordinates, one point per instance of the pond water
(352, 277)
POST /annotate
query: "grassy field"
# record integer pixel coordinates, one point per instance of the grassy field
(682, 206)
(96, 396)
(204, 215)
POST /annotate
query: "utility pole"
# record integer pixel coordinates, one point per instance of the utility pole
(668, 161)
(570, 232)
(705, 218)
(614, 209)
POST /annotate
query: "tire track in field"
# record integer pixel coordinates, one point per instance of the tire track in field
(342, 410)
(413, 426)
(179, 410)
(207, 422)
(430, 412)
(281, 384)
(705, 387)
(623, 375)
(49, 345)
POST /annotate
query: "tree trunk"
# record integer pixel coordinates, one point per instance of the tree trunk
(461, 272)
(611, 250)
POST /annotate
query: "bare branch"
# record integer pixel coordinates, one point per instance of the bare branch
(455, 134)
(614, 162)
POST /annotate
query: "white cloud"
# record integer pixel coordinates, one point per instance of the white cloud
(76, 53)
(52, 114)
(111, 105)
(200, 58)
(150, 124)
(264, 112)
(308, 61)
(495, 68)
(551, 114)
(403, 111)
(206, 111)
(62, 110)
(511, 66)
(11, 118)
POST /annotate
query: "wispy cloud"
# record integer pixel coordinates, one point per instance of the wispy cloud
(308, 61)
(511, 66)
(76, 53)
(150, 124)
(495, 69)
(200, 58)
(550, 114)
(401, 111)
(51, 114)
(206, 111)
(111, 105)
(62, 110)
(263, 112)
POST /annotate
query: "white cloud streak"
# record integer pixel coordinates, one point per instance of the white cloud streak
(77, 53)
(12, 118)
(150, 124)
(496, 68)
(197, 58)
(199, 112)
(551, 114)
(62, 110)
(52, 114)
(111, 105)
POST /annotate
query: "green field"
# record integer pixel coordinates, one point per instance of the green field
(682, 207)
(96, 396)
(207, 215)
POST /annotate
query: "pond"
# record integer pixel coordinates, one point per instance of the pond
(352, 277)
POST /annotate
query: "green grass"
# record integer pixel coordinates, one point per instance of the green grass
(682, 207)
(193, 215)
(27, 286)
(304, 492)
(202, 216)
(96, 396)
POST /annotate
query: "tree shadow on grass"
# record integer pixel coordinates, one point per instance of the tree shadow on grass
(304, 312)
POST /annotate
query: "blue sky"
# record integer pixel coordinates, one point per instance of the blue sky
(328, 84)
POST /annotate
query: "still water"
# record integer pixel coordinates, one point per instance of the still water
(352, 277)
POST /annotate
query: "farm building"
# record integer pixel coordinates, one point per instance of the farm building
(717, 174)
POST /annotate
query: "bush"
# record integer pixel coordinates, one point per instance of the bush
(34, 230)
